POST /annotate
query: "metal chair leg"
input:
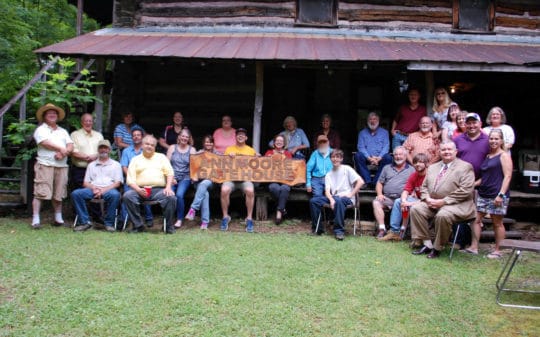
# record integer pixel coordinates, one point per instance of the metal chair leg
(454, 241)
(355, 221)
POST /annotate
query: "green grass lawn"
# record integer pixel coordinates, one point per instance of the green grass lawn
(55, 282)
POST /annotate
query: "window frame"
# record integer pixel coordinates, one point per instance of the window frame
(455, 19)
(332, 24)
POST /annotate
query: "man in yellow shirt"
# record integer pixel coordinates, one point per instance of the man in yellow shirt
(85, 144)
(239, 149)
(150, 177)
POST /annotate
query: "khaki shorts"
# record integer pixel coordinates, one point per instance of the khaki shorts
(387, 203)
(244, 185)
(50, 182)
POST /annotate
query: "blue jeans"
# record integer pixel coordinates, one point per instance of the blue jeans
(280, 193)
(81, 195)
(317, 186)
(315, 205)
(148, 216)
(362, 167)
(180, 189)
(398, 140)
(395, 214)
(201, 201)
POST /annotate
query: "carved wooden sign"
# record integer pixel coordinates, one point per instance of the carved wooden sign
(246, 168)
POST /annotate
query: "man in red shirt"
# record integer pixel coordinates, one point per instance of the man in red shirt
(409, 197)
(407, 118)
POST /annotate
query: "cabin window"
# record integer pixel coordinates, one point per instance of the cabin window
(473, 16)
(316, 12)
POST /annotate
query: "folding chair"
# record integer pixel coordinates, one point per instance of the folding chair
(355, 207)
(517, 247)
(454, 240)
(147, 203)
(101, 203)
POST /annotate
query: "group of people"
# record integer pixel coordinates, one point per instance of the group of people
(438, 160)
(445, 169)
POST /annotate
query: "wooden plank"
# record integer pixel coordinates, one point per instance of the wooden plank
(405, 3)
(395, 15)
(257, 110)
(98, 105)
(517, 22)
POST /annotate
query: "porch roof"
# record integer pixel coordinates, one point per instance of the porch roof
(420, 50)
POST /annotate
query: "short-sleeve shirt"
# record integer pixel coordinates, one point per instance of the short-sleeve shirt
(128, 154)
(151, 171)
(417, 143)
(221, 142)
(103, 174)
(413, 184)
(295, 138)
(341, 180)
(85, 143)
(245, 150)
(407, 119)
(272, 152)
(508, 133)
(473, 151)
(393, 180)
(122, 131)
(58, 136)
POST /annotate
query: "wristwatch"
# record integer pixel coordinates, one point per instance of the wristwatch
(501, 195)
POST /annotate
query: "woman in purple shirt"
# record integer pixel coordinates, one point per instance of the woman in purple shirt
(493, 192)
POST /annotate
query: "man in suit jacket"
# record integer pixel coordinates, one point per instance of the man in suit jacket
(446, 197)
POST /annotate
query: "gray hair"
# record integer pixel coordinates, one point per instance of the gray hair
(501, 111)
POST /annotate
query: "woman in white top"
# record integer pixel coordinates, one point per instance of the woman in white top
(496, 119)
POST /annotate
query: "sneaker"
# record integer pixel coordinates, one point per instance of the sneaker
(190, 214)
(178, 224)
(381, 233)
(340, 236)
(204, 225)
(249, 225)
(170, 230)
(82, 228)
(36, 225)
(225, 223)
(390, 236)
(149, 223)
(110, 229)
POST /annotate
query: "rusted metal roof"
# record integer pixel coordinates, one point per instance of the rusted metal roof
(290, 46)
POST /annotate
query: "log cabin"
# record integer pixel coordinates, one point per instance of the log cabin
(260, 61)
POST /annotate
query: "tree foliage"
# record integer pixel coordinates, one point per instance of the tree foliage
(26, 26)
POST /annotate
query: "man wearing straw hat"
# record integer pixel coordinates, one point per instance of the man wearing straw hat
(51, 168)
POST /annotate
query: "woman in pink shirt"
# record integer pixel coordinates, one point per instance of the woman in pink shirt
(224, 136)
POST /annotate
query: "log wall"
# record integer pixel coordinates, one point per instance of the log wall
(435, 14)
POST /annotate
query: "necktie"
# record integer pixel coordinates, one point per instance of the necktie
(440, 175)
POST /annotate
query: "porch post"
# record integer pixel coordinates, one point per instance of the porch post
(430, 84)
(257, 112)
(98, 106)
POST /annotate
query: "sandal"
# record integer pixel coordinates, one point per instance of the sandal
(494, 256)
(468, 251)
